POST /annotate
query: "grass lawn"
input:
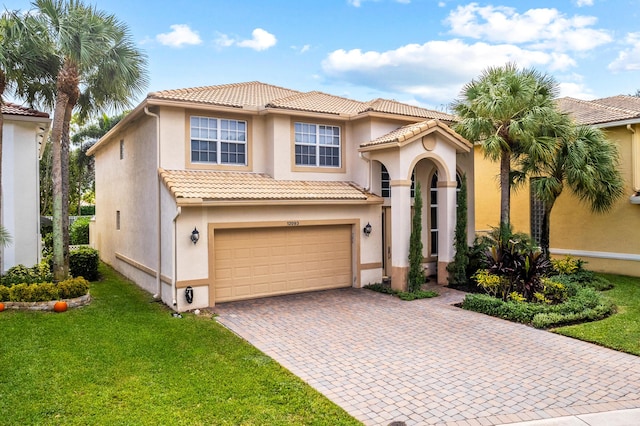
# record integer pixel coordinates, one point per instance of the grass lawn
(125, 360)
(620, 331)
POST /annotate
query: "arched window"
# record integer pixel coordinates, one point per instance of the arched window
(433, 210)
(385, 182)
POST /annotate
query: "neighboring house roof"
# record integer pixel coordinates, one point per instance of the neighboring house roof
(255, 94)
(196, 186)
(600, 111)
(410, 132)
(13, 109)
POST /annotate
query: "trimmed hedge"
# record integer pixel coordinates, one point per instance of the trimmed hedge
(44, 292)
(83, 262)
(584, 304)
(79, 230)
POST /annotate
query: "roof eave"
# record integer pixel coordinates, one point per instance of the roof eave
(186, 202)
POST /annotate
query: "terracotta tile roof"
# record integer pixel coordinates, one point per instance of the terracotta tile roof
(395, 107)
(407, 132)
(260, 95)
(237, 95)
(13, 109)
(318, 102)
(599, 111)
(237, 186)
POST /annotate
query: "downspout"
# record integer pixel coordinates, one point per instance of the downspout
(158, 294)
(174, 272)
(368, 160)
(635, 160)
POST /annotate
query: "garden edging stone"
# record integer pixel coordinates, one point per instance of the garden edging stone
(48, 306)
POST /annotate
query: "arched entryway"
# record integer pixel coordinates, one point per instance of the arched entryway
(426, 150)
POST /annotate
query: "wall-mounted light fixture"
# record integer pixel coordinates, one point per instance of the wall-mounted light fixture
(367, 229)
(195, 235)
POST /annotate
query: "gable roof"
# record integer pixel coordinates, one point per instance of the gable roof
(257, 95)
(213, 187)
(601, 111)
(9, 108)
(410, 132)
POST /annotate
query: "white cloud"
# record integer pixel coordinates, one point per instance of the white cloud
(224, 40)
(179, 36)
(435, 70)
(628, 59)
(261, 40)
(573, 85)
(581, 3)
(542, 28)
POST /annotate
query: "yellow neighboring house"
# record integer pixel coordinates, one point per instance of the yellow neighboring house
(609, 242)
(247, 190)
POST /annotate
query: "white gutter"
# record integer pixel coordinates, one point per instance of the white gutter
(368, 160)
(158, 294)
(174, 272)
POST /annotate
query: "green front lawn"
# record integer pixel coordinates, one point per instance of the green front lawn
(620, 331)
(125, 360)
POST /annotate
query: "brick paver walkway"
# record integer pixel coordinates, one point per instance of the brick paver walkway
(427, 362)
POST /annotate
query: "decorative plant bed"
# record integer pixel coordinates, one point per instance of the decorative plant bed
(48, 306)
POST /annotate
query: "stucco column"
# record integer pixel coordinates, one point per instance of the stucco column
(400, 232)
(446, 227)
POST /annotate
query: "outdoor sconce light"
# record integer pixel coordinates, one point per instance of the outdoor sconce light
(195, 235)
(367, 229)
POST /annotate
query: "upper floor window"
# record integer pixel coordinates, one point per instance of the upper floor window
(218, 141)
(317, 145)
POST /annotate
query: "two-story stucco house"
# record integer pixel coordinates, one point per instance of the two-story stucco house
(249, 190)
(23, 137)
(609, 242)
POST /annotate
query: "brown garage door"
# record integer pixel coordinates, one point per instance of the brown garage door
(252, 263)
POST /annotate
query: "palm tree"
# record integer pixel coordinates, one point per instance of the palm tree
(511, 113)
(98, 67)
(588, 164)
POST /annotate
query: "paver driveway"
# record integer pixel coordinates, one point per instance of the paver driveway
(428, 362)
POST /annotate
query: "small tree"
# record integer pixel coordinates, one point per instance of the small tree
(458, 268)
(416, 273)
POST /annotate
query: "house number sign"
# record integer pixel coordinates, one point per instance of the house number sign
(293, 223)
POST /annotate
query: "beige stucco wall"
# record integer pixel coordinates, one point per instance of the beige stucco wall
(20, 190)
(609, 242)
(129, 186)
(193, 260)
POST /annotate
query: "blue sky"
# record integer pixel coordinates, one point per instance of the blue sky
(416, 51)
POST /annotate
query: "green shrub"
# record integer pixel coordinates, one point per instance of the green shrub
(87, 210)
(20, 274)
(4, 293)
(73, 287)
(43, 292)
(567, 265)
(20, 293)
(83, 262)
(418, 294)
(380, 288)
(585, 304)
(79, 231)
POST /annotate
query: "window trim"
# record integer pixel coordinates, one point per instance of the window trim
(194, 165)
(317, 169)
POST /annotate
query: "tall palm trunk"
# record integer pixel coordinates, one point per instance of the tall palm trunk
(59, 270)
(546, 228)
(505, 187)
(67, 96)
